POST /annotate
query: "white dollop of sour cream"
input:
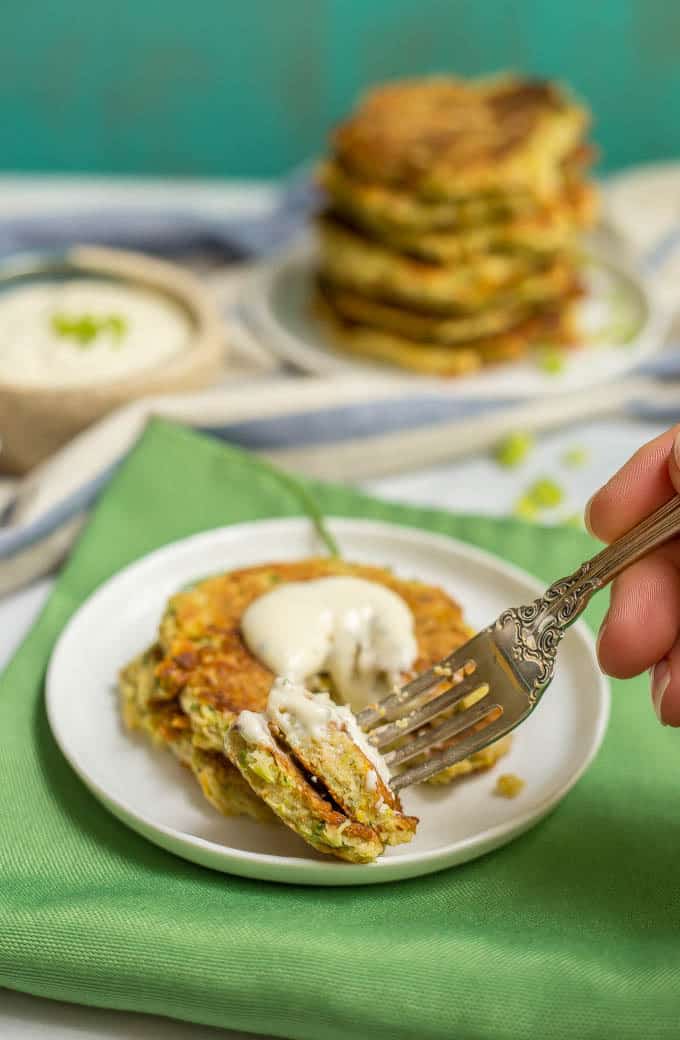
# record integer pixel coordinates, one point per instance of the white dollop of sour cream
(147, 329)
(357, 631)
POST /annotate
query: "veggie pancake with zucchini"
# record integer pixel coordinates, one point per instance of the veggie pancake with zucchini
(255, 749)
(451, 222)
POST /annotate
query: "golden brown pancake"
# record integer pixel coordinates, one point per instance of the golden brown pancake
(287, 791)
(353, 261)
(348, 775)
(206, 659)
(447, 138)
(547, 229)
(225, 788)
(187, 690)
(428, 357)
(355, 308)
(383, 208)
(209, 667)
(145, 708)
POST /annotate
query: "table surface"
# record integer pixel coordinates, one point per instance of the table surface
(476, 485)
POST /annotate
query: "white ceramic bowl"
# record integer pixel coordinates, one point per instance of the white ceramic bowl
(35, 421)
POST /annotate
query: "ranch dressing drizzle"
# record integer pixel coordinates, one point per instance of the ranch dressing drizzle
(357, 631)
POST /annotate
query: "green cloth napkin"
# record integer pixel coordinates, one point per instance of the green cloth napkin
(571, 931)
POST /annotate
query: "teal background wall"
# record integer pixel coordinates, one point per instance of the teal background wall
(249, 87)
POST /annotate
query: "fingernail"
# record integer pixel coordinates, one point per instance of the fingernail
(586, 513)
(676, 449)
(661, 676)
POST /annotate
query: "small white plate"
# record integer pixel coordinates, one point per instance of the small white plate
(276, 305)
(148, 790)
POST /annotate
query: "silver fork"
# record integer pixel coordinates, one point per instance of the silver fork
(507, 666)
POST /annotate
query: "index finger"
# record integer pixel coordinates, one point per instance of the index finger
(640, 486)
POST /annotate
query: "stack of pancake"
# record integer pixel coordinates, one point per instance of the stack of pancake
(188, 689)
(453, 209)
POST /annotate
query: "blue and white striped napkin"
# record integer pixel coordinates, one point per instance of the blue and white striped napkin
(169, 233)
(337, 429)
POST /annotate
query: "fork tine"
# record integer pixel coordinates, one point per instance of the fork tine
(474, 742)
(384, 735)
(392, 707)
(437, 735)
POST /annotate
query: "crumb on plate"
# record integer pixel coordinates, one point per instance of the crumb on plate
(509, 785)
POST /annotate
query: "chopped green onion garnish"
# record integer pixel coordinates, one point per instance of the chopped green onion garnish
(576, 457)
(84, 328)
(551, 360)
(513, 449)
(545, 493)
(525, 509)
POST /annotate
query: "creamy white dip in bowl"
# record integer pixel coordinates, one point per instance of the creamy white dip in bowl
(88, 330)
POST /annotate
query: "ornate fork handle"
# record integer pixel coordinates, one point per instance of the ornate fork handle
(530, 635)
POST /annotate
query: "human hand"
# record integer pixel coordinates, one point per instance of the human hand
(642, 627)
